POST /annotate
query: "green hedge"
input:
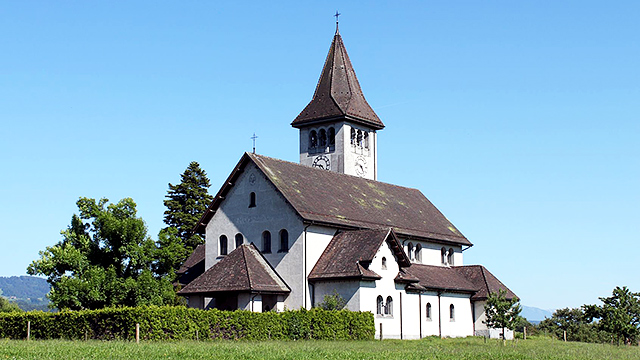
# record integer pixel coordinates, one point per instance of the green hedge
(177, 323)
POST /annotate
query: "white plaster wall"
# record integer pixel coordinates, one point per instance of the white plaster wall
(271, 213)
(351, 155)
(462, 325)
(317, 239)
(431, 252)
(334, 155)
(348, 290)
(481, 328)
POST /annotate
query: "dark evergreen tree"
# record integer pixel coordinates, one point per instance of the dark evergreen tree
(186, 203)
(619, 315)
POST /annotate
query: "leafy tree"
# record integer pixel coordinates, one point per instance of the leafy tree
(8, 306)
(186, 203)
(618, 315)
(332, 302)
(502, 312)
(577, 325)
(104, 259)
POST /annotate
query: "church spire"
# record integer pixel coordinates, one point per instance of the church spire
(338, 94)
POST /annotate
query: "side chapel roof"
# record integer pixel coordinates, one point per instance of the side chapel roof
(349, 254)
(194, 259)
(330, 198)
(244, 269)
(338, 93)
(484, 280)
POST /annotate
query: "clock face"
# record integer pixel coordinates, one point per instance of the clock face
(361, 166)
(321, 162)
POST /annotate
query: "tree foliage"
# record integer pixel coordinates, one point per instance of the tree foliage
(502, 312)
(575, 322)
(104, 259)
(618, 315)
(332, 302)
(8, 306)
(186, 202)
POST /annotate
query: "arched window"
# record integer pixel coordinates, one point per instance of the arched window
(366, 140)
(443, 255)
(313, 139)
(359, 139)
(222, 248)
(332, 136)
(418, 253)
(322, 138)
(384, 263)
(379, 305)
(239, 240)
(252, 200)
(266, 242)
(284, 240)
(388, 308)
(452, 313)
(410, 251)
(428, 311)
(353, 136)
(450, 257)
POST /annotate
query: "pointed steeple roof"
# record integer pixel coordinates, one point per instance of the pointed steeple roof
(338, 94)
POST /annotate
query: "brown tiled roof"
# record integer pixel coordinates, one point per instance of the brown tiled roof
(437, 278)
(194, 259)
(243, 270)
(327, 197)
(349, 254)
(338, 93)
(484, 280)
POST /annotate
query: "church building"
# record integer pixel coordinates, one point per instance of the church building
(281, 235)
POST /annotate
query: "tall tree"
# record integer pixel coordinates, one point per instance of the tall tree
(501, 312)
(104, 259)
(619, 314)
(7, 306)
(186, 203)
(577, 325)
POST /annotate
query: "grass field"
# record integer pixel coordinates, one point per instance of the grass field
(430, 348)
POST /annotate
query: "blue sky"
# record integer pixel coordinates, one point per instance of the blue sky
(519, 120)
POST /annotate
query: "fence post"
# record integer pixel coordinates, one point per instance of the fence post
(137, 333)
(380, 331)
(525, 333)
(197, 335)
(28, 330)
(565, 335)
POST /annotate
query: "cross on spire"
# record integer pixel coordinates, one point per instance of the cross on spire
(336, 16)
(254, 137)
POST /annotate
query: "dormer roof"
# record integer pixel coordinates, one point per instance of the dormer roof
(338, 94)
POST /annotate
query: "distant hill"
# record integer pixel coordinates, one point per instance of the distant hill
(534, 315)
(24, 287)
(28, 292)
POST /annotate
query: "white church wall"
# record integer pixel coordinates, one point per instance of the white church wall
(431, 324)
(271, 213)
(481, 328)
(462, 322)
(431, 253)
(317, 239)
(348, 290)
(307, 155)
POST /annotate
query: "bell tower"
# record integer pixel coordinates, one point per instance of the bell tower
(338, 128)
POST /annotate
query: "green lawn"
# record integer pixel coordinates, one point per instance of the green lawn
(431, 348)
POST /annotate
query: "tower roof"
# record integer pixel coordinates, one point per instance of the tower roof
(338, 94)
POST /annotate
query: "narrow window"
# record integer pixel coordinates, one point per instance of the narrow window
(353, 136)
(410, 251)
(388, 308)
(366, 140)
(450, 257)
(384, 263)
(239, 240)
(428, 311)
(284, 240)
(452, 313)
(322, 138)
(418, 253)
(359, 139)
(223, 245)
(313, 139)
(332, 136)
(379, 305)
(252, 200)
(443, 255)
(266, 242)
